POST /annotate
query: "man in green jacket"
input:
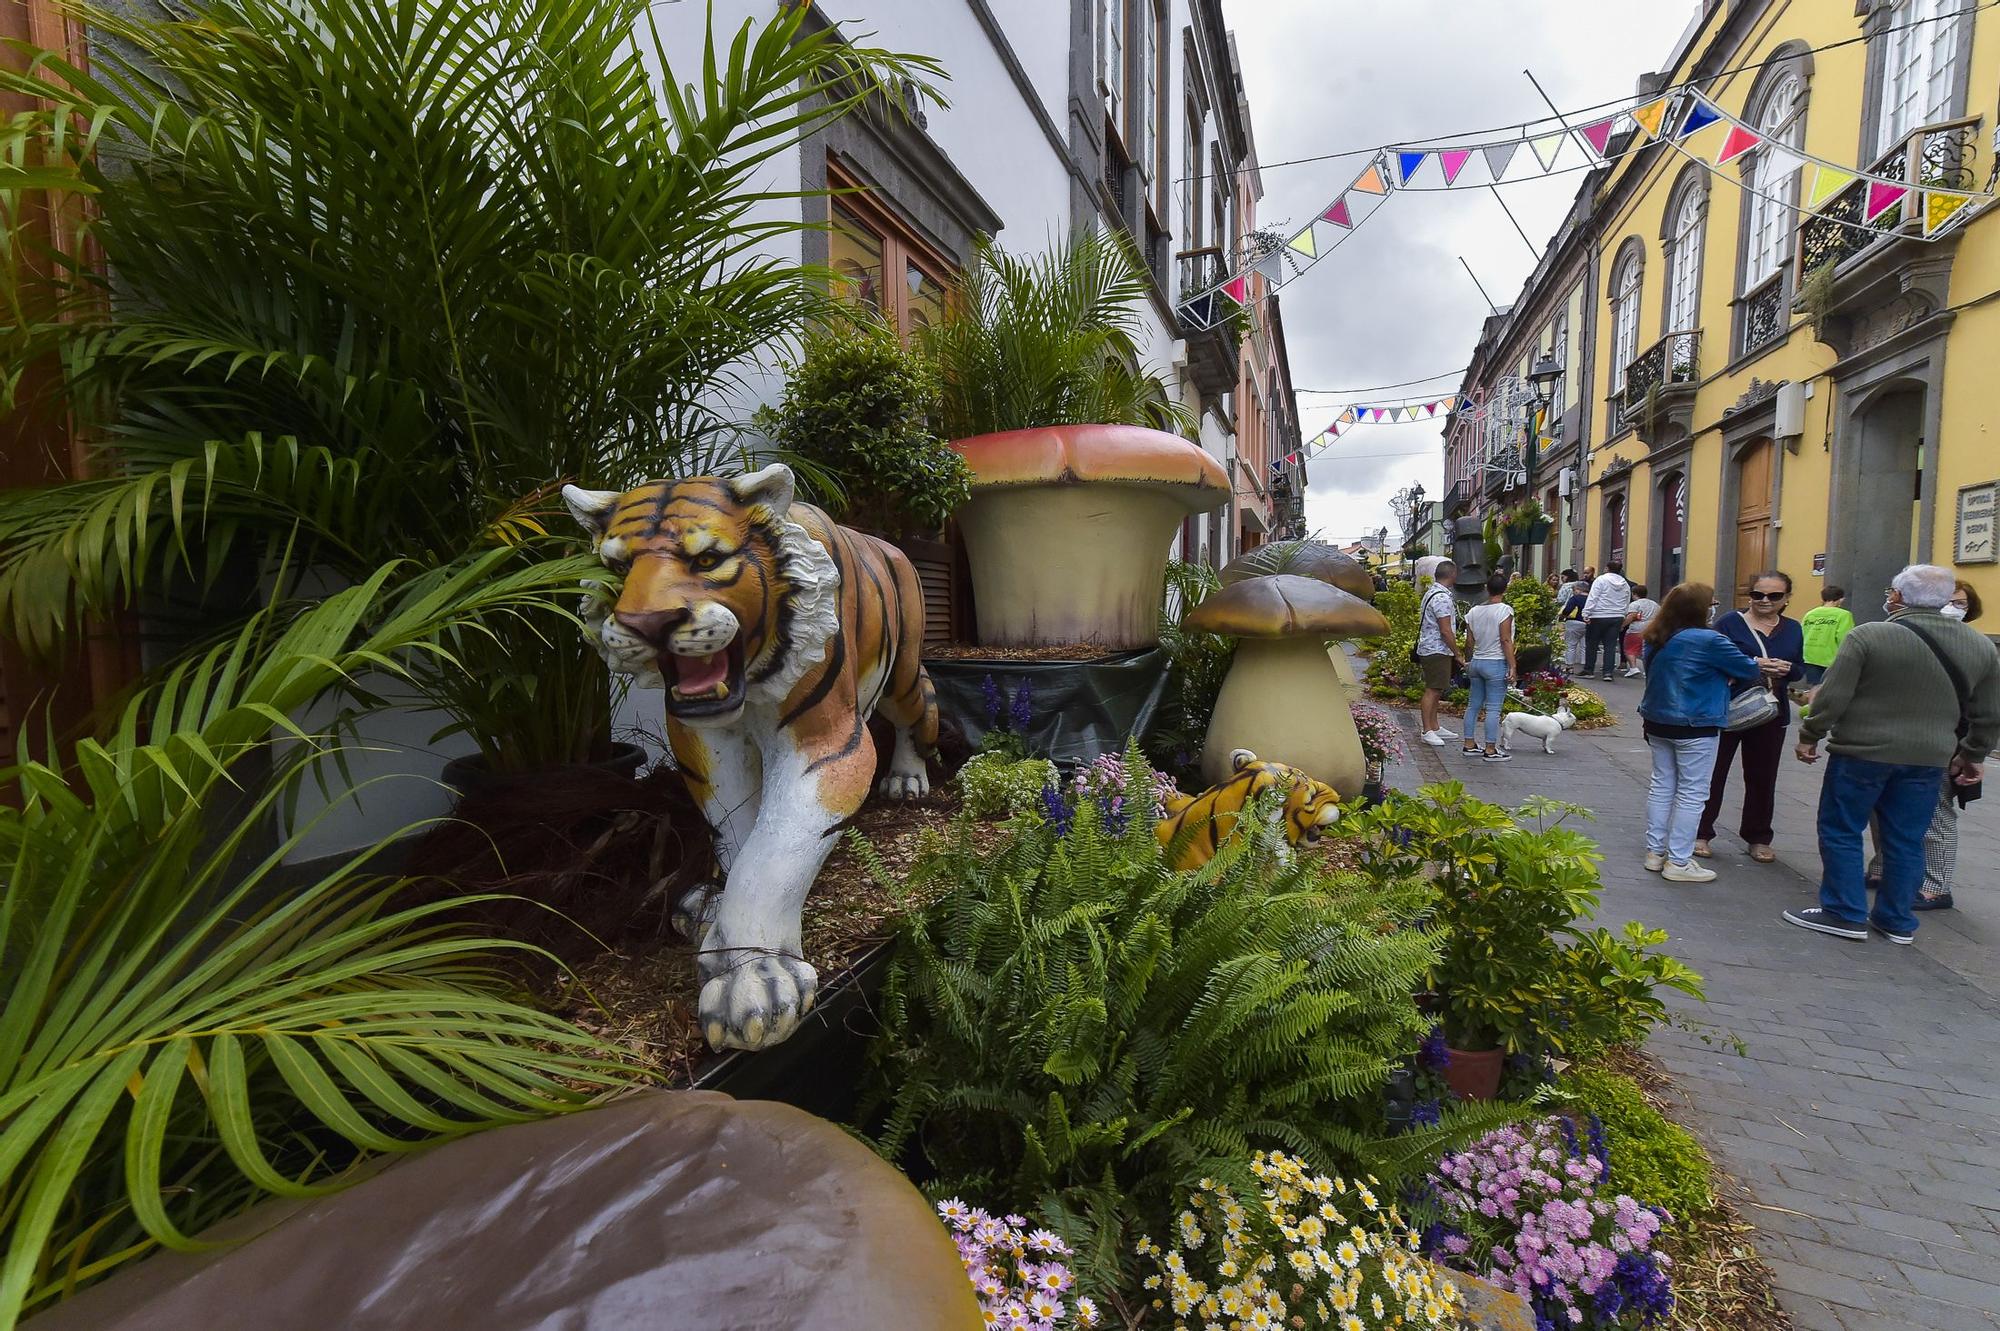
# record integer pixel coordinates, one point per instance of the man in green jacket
(1893, 711)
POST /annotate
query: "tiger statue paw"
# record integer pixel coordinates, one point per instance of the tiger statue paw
(1309, 808)
(774, 633)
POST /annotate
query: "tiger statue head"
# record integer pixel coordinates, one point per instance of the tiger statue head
(1309, 808)
(724, 601)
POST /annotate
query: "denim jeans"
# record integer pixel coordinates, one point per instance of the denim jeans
(1681, 769)
(1903, 799)
(1601, 633)
(1488, 689)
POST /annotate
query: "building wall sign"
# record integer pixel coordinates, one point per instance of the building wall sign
(1974, 542)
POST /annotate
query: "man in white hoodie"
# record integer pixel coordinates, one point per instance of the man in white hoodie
(1604, 618)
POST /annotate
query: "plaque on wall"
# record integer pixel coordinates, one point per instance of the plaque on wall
(1974, 539)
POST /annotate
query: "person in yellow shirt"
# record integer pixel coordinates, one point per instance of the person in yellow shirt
(1825, 627)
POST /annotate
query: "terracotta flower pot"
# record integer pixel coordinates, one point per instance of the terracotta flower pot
(1475, 1073)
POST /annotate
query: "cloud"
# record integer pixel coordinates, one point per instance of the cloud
(1393, 302)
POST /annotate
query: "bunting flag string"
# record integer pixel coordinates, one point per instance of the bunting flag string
(1680, 118)
(1373, 413)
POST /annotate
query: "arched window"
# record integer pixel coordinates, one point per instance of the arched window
(1773, 184)
(1684, 235)
(1920, 66)
(1625, 279)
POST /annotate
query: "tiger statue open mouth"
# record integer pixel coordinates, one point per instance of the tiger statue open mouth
(775, 634)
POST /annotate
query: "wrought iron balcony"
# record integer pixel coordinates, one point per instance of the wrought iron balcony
(1660, 382)
(1766, 314)
(1940, 156)
(1215, 352)
(1458, 496)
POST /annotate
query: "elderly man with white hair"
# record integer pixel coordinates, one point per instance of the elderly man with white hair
(1906, 703)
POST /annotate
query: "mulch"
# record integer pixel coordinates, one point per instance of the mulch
(968, 651)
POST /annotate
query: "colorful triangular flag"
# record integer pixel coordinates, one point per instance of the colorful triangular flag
(1882, 196)
(1199, 312)
(1272, 268)
(1347, 417)
(1701, 114)
(1370, 181)
(1741, 140)
(1827, 182)
(1498, 155)
(1237, 289)
(1338, 214)
(1548, 148)
(1430, 408)
(1940, 206)
(1775, 164)
(1598, 135)
(1303, 243)
(1650, 116)
(1453, 161)
(1408, 164)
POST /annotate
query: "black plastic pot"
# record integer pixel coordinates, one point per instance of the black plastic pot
(470, 775)
(819, 1068)
(1530, 533)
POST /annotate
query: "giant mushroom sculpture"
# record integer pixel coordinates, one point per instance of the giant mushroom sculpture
(1069, 526)
(1283, 699)
(1308, 559)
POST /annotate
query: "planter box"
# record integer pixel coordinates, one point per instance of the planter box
(1530, 533)
(1080, 709)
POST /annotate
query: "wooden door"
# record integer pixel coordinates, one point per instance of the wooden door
(1753, 515)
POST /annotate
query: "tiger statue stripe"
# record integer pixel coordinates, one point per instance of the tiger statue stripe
(1310, 807)
(775, 633)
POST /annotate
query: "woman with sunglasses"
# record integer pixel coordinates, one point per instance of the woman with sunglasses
(1762, 632)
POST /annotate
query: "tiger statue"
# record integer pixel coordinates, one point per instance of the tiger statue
(1310, 808)
(776, 634)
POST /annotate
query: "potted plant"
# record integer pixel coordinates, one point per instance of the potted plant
(1382, 743)
(1528, 523)
(1080, 473)
(1534, 624)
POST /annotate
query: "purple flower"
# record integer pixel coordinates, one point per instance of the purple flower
(990, 698)
(1021, 711)
(1426, 1114)
(1055, 810)
(1433, 1054)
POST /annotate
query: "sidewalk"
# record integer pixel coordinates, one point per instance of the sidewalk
(1864, 1113)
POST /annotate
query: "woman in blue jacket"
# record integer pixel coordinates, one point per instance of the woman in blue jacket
(1689, 670)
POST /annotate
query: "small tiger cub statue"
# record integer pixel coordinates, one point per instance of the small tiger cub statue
(1310, 808)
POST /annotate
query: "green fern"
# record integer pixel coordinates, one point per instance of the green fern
(1077, 1029)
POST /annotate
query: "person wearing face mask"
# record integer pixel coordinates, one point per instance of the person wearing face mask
(1941, 839)
(1762, 632)
(1908, 704)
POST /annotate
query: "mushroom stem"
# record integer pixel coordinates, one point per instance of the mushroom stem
(1066, 563)
(1283, 701)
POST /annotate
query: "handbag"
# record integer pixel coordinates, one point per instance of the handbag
(1756, 705)
(1967, 793)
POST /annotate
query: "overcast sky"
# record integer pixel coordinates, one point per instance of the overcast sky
(1392, 303)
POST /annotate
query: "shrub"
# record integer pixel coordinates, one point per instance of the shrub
(1655, 1160)
(1515, 971)
(1534, 611)
(1381, 738)
(997, 785)
(1198, 663)
(1076, 1029)
(857, 405)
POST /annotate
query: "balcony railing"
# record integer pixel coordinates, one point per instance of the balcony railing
(1673, 360)
(1940, 156)
(1213, 352)
(1766, 314)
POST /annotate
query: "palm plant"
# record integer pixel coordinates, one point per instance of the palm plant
(1048, 340)
(179, 1036)
(374, 276)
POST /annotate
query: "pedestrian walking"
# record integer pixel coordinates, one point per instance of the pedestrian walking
(1762, 632)
(1638, 616)
(1603, 617)
(1437, 648)
(1570, 598)
(1908, 703)
(1688, 672)
(1824, 626)
(1491, 669)
(1941, 838)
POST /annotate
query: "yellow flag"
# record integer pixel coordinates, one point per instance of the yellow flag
(1827, 182)
(1303, 244)
(1940, 206)
(1650, 115)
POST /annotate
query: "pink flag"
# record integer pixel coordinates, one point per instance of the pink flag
(1882, 196)
(1237, 289)
(1598, 135)
(1338, 214)
(1431, 408)
(1740, 141)
(1453, 160)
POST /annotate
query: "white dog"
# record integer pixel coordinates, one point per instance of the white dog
(1535, 726)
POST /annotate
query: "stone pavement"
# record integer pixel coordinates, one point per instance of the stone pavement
(1863, 1113)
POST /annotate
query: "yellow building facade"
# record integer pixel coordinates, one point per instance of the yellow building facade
(1783, 385)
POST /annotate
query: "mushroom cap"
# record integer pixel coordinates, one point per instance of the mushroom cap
(1076, 454)
(1308, 559)
(1280, 605)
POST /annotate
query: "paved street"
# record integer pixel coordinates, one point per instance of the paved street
(1864, 1113)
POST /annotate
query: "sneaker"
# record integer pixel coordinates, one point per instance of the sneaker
(1437, 737)
(1687, 871)
(1632, 673)
(1702, 851)
(1819, 921)
(1655, 861)
(1893, 935)
(1499, 756)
